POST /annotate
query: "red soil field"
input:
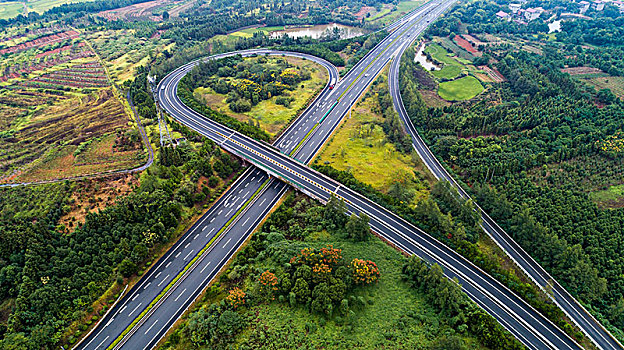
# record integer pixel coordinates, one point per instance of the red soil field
(464, 44)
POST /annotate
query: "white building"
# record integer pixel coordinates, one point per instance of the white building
(598, 5)
(532, 14)
(584, 6)
(514, 8)
(503, 15)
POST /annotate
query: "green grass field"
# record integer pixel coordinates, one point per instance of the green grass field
(460, 89)
(383, 12)
(10, 9)
(402, 8)
(451, 67)
(611, 197)
(361, 147)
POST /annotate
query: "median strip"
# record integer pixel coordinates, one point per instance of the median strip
(186, 268)
(303, 140)
(373, 61)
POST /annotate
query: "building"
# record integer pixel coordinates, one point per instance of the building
(583, 6)
(514, 8)
(619, 4)
(598, 5)
(503, 15)
(532, 14)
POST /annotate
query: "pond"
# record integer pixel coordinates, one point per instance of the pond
(554, 26)
(317, 31)
(423, 60)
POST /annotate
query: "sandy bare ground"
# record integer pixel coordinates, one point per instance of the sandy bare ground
(581, 70)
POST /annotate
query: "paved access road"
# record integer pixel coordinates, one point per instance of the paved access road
(575, 311)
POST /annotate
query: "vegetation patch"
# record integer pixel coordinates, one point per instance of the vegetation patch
(266, 91)
(451, 68)
(54, 142)
(613, 197)
(363, 145)
(611, 83)
(460, 89)
(307, 280)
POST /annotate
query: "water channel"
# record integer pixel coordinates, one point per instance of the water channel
(317, 31)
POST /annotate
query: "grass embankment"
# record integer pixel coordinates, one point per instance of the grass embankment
(271, 116)
(387, 16)
(451, 67)
(460, 89)
(454, 87)
(361, 146)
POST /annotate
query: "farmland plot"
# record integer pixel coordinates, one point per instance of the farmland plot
(59, 116)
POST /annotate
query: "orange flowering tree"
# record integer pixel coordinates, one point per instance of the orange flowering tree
(328, 256)
(364, 272)
(236, 298)
(268, 283)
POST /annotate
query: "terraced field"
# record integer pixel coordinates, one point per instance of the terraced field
(59, 116)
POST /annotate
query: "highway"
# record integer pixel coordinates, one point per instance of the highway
(157, 318)
(144, 315)
(189, 245)
(602, 338)
(524, 322)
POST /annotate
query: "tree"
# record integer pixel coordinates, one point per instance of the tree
(364, 272)
(335, 212)
(127, 268)
(402, 186)
(321, 302)
(301, 289)
(165, 15)
(230, 322)
(268, 284)
(235, 298)
(358, 227)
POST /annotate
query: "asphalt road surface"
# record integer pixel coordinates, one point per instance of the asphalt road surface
(575, 311)
(252, 196)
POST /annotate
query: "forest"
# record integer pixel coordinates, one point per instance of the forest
(514, 149)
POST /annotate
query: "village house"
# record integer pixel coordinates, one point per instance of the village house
(532, 13)
(514, 8)
(503, 15)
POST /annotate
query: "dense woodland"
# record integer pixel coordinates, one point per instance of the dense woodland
(515, 147)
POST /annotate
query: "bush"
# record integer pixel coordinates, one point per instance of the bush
(127, 268)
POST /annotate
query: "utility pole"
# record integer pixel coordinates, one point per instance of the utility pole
(163, 129)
